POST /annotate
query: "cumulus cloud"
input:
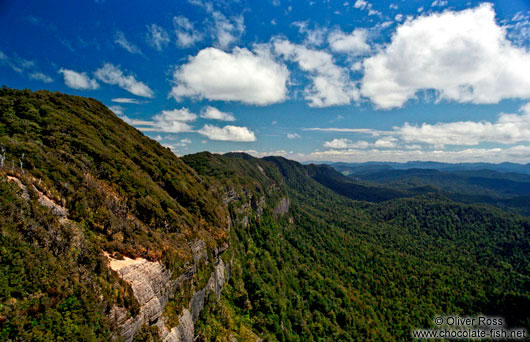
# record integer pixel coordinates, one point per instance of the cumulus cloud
(227, 133)
(112, 74)
(213, 113)
(78, 80)
(242, 75)
(346, 143)
(330, 84)
(508, 129)
(186, 33)
(292, 136)
(157, 37)
(353, 43)
(119, 38)
(464, 56)
(386, 142)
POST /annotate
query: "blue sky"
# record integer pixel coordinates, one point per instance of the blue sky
(308, 80)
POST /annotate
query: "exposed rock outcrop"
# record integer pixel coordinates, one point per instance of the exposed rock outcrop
(151, 284)
(282, 207)
(153, 287)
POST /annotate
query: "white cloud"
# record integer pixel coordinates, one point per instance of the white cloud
(399, 17)
(365, 5)
(439, 3)
(361, 4)
(126, 100)
(182, 143)
(330, 84)
(213, 113)
(186, 33)
(78, 80)
(292, 136)
(518, 29)
(119, 38)
(24, 66)
(39, 76)
(157, 37)
(370, 131)
(227, 133)
(518, 154)
(413, 147)
(346, 143)
(111, 74)
(227, 31)
(386, 142)
(168, 116)
(464, 56)
(313, 37)
(354, 43)
(169, 121)
(393, 6)
(118, 110)
(245, 76)
(508, 129)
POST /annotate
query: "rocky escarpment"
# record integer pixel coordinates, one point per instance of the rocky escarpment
(153, 287)
(151, 284)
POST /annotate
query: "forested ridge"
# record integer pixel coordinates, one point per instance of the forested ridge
(307, 262)
(347, 270)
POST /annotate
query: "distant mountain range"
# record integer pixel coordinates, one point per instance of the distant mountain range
(501, 167)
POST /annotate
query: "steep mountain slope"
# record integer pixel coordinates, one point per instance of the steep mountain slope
(79, 190)
(105, 234)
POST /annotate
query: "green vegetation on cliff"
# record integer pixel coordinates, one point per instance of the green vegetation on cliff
(124, 194)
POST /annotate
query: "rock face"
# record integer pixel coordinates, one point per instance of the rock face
(282, 207)
(152, 287)
(184, 332)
